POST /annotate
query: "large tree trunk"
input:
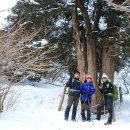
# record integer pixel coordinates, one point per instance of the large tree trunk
(91, 56)
(91, 41)
(109, 62)
(77, 37)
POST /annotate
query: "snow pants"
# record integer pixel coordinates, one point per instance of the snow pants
(85, 106)
(107, 102)
(72, 100)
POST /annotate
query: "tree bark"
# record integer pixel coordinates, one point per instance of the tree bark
(79, 52)
(62, 99)
(91, 41)
(109, 62)
(120, 94)
(91, 55)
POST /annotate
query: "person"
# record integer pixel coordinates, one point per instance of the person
(87, 90)
(107, 91)
(74, 84)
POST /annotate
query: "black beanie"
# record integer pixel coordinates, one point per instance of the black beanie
(76, 72)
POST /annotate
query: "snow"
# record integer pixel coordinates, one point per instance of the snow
(36, 109)
(38, 44)
(5, 10)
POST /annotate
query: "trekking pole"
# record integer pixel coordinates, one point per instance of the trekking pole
(89, 107)
(82, 108)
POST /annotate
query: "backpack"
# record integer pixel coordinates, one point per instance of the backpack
(115, 94)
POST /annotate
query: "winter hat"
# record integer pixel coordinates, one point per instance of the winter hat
(104, 76)
(88, 77)
(76, 72)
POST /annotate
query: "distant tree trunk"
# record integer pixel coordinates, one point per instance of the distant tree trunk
(120, 94)
(79, 52)
(62, 99)
(114, 118)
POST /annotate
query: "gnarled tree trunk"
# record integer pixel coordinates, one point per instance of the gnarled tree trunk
(91, 56)
(79, 52)
(109, 61)
(91, 41)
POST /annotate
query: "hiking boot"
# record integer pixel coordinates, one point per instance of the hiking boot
(88, 120)
(83, 120)
(97, 119)
(66, 119)
(73, 119)
(107, 123)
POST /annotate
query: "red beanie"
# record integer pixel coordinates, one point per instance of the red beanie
(88, 77)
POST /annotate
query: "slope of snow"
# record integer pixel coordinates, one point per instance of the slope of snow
(36, 109)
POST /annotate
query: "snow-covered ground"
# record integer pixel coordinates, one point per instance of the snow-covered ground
(36, 109)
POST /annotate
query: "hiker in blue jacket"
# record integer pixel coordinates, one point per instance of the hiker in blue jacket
(87, 90)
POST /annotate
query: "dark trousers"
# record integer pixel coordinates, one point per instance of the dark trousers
(85, 106)
(72, 100)
(107, 102)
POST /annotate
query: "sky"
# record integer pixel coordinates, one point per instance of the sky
(5, 4)
(36, 108)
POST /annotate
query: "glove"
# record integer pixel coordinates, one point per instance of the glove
(100, 87)
(88, 93)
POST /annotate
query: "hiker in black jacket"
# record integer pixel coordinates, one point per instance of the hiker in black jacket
(107, 90)
(73, 96)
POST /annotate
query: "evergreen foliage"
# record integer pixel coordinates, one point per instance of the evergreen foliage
(54, 20)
